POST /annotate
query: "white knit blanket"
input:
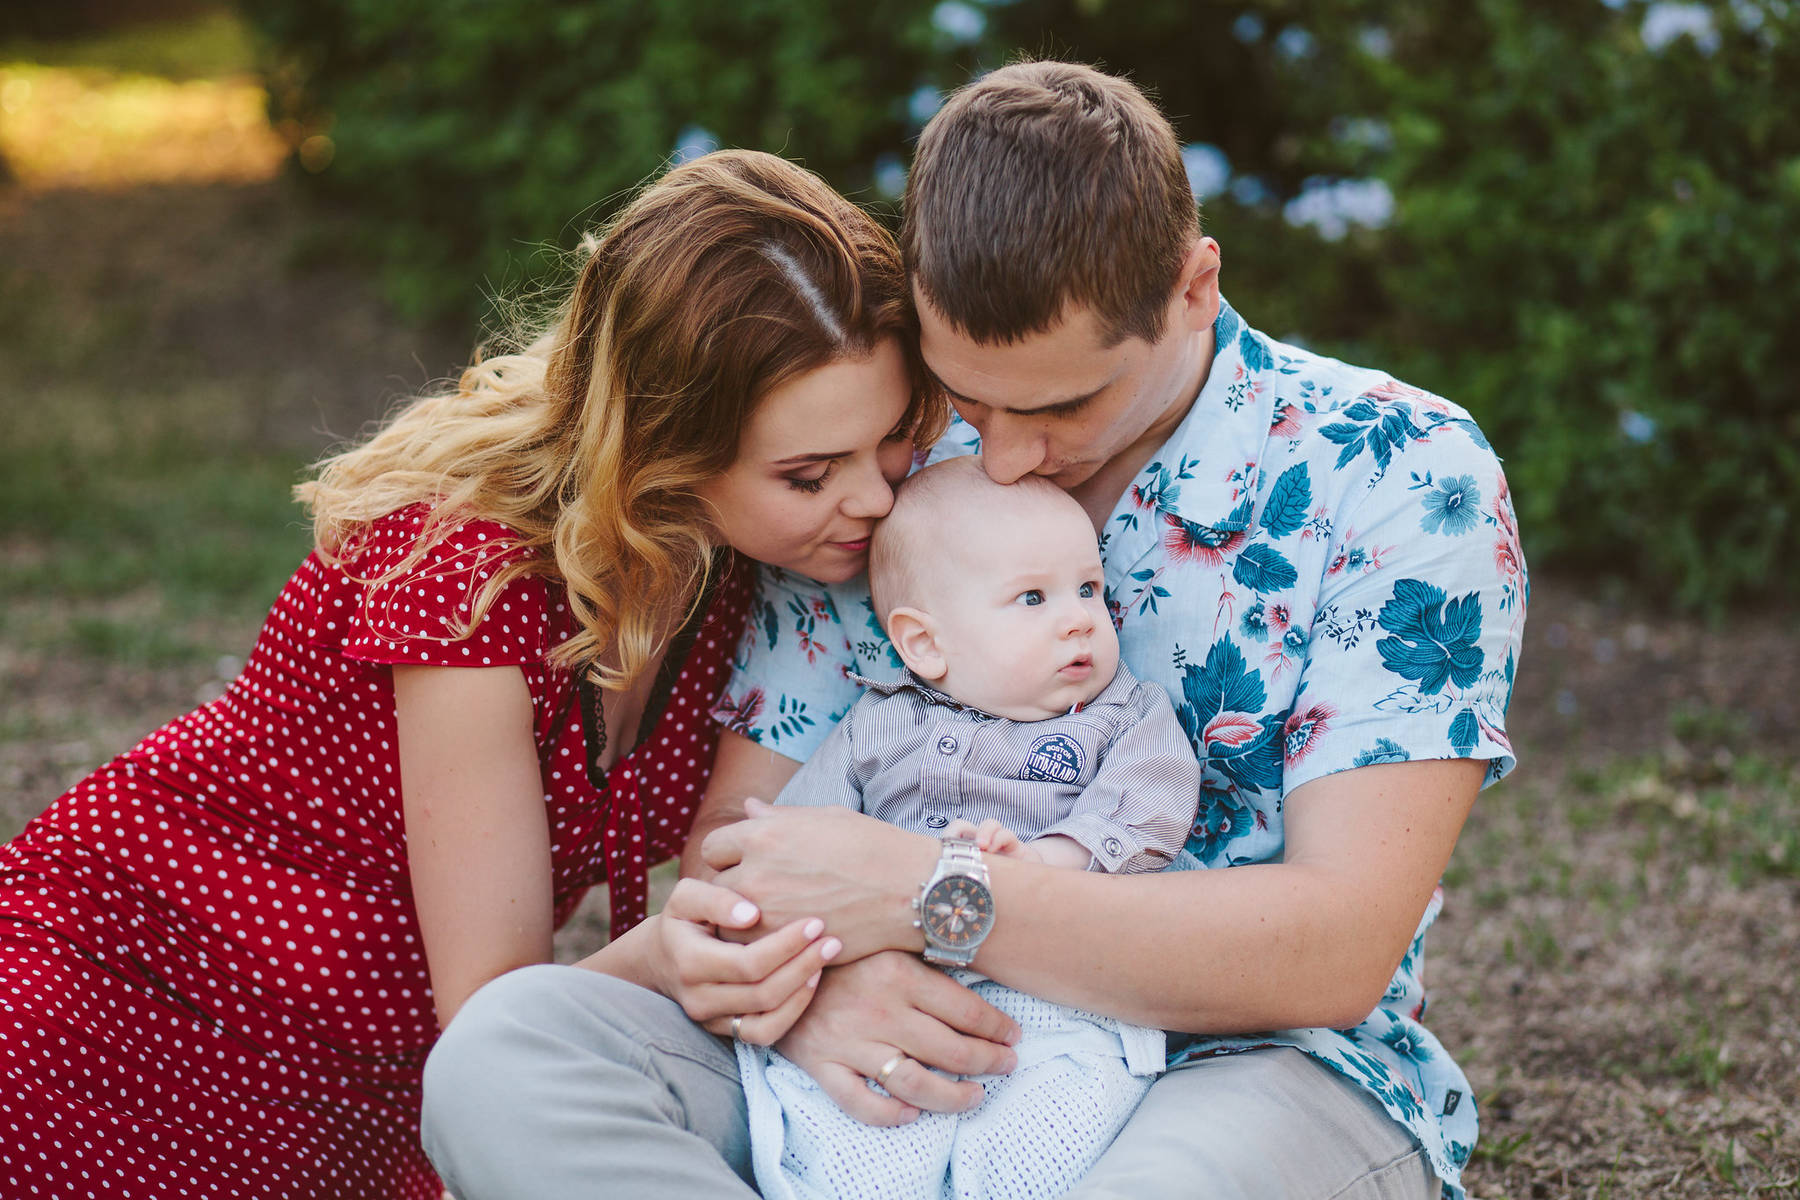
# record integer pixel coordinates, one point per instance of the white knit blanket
(1037, 1132)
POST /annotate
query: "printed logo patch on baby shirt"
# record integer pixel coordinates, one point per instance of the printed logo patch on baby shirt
(1055, 758)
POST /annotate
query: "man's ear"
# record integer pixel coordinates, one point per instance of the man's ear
(1195, 303)
(915, 637)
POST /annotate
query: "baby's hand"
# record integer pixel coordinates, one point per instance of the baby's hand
(994, 838)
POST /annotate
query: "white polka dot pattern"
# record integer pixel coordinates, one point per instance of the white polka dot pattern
(211, 982)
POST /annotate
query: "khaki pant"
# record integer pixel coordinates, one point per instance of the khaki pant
(555, 1083)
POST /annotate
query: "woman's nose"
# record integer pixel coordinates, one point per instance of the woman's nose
(870, 495)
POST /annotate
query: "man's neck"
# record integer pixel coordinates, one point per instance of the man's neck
(1099, 493)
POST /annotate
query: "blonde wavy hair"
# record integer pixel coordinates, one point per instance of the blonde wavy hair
(721, 280)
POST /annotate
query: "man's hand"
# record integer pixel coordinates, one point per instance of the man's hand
(866, 1012)
(858, 873)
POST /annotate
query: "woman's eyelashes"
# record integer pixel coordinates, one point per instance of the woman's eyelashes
(812, 485)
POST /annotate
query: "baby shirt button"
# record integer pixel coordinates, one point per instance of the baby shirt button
(937, 821)
(946, 745)
(1112, 845)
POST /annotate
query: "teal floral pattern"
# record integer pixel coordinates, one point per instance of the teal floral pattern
(1321, 566)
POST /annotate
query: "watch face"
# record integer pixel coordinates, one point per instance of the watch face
(957, 912)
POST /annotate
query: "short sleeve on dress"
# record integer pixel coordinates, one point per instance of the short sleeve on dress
(425, 614)
(788, 686)
(1414, 646)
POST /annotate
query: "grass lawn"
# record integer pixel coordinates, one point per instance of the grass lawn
(1618, 965)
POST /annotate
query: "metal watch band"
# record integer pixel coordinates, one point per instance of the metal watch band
(961, 856)
(958, 856)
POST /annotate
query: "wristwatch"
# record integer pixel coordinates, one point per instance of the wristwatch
(955, 908)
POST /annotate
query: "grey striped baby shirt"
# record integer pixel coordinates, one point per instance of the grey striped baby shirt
(1118, 776)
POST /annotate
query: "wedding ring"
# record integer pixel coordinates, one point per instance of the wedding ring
(888, 1068)
(737, 1028)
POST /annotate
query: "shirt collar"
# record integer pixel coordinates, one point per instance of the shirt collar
(1115, 692)
(1206, 471)
(1198, 488)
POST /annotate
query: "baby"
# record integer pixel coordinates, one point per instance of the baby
(1014, 730)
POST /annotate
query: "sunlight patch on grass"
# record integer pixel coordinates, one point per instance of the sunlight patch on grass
(171, 103)
(93, 128)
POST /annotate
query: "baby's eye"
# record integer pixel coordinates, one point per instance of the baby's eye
(1031, 597)
(1088, 591)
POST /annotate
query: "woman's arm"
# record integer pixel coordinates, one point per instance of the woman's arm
(742, 770)
(478, 844)
(1309, 941)
(477, 834)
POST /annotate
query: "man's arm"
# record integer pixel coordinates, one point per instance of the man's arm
(1309, 941)
(1312, 940)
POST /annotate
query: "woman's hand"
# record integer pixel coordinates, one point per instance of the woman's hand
(862, 874)
(891, 1004)
(767, 983)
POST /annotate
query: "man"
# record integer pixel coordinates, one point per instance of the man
(1319, 564)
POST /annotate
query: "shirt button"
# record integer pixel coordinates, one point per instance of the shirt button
(1113, 845)
(946, 745)
(936, 821)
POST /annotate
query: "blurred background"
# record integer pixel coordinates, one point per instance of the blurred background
(232, 236)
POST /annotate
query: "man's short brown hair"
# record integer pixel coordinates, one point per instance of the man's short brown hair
(1046, 185)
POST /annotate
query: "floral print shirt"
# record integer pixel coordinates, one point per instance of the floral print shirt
(1321, 567)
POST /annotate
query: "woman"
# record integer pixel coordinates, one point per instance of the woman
(224, 955)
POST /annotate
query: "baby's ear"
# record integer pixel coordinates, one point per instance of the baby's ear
(914, 636)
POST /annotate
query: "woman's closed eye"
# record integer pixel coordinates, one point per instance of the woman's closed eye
(814, 483)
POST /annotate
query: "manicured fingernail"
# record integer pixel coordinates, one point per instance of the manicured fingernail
(813, 928)
(814, 981)
(828, 950)
(743, 912)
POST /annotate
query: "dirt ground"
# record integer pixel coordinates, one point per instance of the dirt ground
(1618, 965)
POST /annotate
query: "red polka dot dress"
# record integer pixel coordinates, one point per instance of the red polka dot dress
(211, 979)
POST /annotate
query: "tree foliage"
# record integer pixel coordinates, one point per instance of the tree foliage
(1592, 242)
(467, 132)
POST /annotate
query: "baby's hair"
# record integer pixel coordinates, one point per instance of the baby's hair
(931, 507)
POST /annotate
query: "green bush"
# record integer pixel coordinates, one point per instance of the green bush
(466, 133)
(1593, 242)
(1597, 248)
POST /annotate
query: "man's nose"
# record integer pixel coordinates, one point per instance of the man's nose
(1010, 451)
